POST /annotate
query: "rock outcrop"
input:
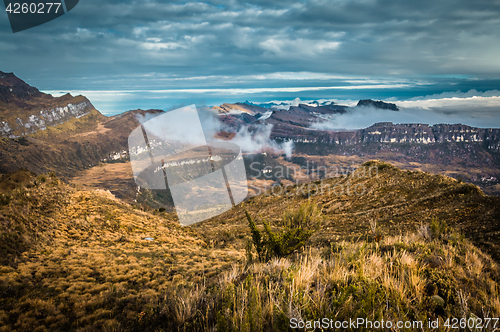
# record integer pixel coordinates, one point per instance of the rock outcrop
(25, 110)
(377, 104)
(388, 132)
(12, 89)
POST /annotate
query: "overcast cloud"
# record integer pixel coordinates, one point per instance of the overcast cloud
(137, 52)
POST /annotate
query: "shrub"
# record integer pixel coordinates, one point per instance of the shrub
(468, 189)
(437, 228)
(256, 237)
(296, 228)
(308, 215)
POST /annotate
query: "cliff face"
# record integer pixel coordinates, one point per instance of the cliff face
(387, 132)
(378, 104)
(461, 133)
(464, 152)
(30, 123)
(295, 124)
(25, 110)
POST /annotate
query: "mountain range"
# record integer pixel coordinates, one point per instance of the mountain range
(69, 136)
(464, 152)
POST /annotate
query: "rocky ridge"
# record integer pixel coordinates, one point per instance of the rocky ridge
(25, 110)
(413, 133)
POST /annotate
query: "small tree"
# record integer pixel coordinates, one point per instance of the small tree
(256, 237)
(296, 228)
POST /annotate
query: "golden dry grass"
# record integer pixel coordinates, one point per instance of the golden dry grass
(76, 260)
(91, 254)
(394, 280)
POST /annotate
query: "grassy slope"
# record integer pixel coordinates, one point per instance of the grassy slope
(65, 149)
(398, 200)
(73, 258)
(77, 260)
(398, 279)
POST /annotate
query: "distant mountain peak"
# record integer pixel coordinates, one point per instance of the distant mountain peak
(5, 75)
(377, 104)
(12, 87)
(25, 110)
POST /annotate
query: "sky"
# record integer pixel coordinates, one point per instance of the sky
(132, 54)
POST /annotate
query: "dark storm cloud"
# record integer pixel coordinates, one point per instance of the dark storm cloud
(156, 44)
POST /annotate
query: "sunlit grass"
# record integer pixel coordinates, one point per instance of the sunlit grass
(78, 260)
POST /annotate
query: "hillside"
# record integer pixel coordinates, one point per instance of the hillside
(25, 110)
(73, 258)
(65, 135)
(398, 200)
(70, 145)
(86, 261)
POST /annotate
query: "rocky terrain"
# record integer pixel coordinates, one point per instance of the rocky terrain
(464, 152)
(25, 110)
(294, 124)
(66, 135)
(377, 104)
(468, 153)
